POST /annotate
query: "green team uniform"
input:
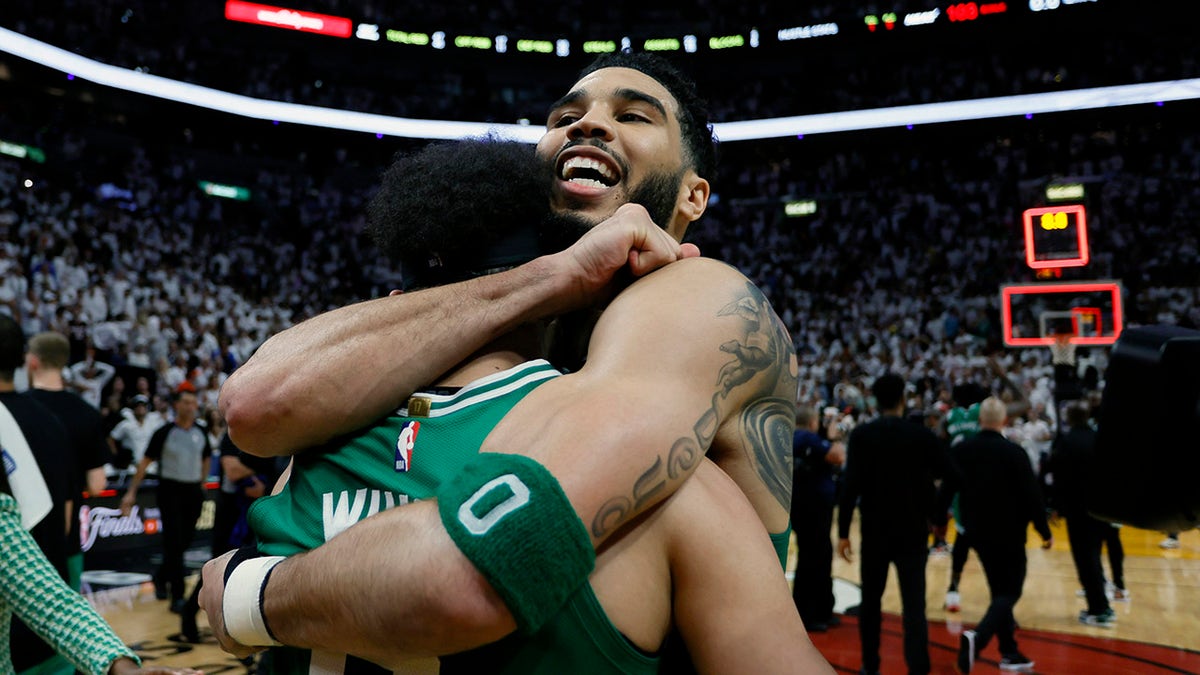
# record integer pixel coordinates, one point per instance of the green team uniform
(780, 541)
(406, 457)
(961, 424)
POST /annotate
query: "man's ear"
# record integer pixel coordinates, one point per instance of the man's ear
(692, 201)
(694, 196)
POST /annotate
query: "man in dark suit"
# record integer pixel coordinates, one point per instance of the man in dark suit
(45, 361)
(998, 499)
(1071, 463)
(816, 463)
(891, 467)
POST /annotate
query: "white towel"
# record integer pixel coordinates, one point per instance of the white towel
(24, 476)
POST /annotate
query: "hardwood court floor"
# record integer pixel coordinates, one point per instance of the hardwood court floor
(1158, 630)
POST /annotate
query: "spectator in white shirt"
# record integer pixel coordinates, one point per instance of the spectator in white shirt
(89, 377)
(129, 438)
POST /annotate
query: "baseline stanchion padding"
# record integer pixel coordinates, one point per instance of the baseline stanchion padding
(1147, 469)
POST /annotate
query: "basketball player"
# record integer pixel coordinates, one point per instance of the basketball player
(668, 570)
(620, 435)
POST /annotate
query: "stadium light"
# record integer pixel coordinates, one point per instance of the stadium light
(853, 120)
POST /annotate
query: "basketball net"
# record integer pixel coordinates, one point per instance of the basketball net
(1062, 350)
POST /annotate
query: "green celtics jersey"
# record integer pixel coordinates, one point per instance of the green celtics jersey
(780, 541)
(407, 457)
(962, 423)
(580, 639)
(403, 457)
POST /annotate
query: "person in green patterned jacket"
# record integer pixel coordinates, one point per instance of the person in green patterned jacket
(32, 587)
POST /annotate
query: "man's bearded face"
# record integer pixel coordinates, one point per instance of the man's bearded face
(613, 139)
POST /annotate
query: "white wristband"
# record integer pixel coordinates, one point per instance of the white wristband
(242, 605)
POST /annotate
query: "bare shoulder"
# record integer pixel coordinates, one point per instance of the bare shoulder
(703, 317)
(695, 274)
(698, 340)
(699, 296)
(711, 491)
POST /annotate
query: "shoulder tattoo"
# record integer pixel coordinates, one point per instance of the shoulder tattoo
(768, 421)
(762, 363)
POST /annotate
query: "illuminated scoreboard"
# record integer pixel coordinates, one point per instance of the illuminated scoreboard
(1056, 236)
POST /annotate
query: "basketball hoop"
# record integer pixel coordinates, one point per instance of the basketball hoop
(1062, 350)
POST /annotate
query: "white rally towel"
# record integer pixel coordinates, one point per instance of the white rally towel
(24, 476)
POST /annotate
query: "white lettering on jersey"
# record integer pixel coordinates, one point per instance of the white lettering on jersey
(347, 511)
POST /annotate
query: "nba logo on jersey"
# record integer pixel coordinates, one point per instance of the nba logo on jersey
(404, 445)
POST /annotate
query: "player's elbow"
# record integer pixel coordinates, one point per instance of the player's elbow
(254, 415)
(241, 421)
(450, 618)
(475, 615)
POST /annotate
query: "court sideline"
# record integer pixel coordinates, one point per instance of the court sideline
(1158, 629)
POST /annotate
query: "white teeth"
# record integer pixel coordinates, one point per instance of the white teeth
(590, 182)
(588, 163)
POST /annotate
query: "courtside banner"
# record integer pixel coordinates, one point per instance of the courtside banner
(281, 17)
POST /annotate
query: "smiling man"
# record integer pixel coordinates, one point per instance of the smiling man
(596, 177)
(686, 362)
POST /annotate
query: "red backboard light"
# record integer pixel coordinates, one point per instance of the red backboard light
(1094, 303)
(1056, 236)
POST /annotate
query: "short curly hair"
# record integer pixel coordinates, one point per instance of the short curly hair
(457, 209)
(699, 139)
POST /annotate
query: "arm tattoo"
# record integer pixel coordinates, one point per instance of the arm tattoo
(768, 421)
(616, 510)
(610, 516)
(762, 358)
(767, 428)
(684, 456)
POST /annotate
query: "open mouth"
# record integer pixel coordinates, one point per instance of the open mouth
(588, 171)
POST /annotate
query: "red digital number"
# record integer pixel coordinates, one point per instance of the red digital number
(963, 11)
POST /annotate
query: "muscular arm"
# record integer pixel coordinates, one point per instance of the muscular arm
(682, 361)
(731, 600)
(396, 568)
(660, 385)
(340, 371)
(32, 589)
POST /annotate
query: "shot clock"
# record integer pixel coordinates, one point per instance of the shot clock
(1056, 236)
